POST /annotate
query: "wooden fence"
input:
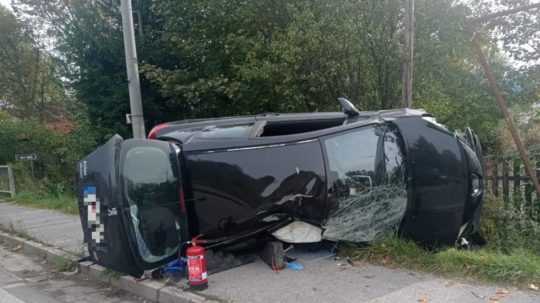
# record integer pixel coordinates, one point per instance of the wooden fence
(506, 178)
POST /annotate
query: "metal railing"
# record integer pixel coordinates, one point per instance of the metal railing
(7, 183)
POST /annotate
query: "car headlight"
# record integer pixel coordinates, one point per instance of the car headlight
(476, 185)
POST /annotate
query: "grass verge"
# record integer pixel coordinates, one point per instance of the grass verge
(519, 267)
(62, 264)
(65, 203)
(511, 256)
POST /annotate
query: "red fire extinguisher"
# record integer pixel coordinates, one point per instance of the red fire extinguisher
(196, 263)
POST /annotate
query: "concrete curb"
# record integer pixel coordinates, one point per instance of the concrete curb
(151, 290)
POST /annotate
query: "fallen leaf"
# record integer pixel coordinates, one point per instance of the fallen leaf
(423, 299)
(502, 291)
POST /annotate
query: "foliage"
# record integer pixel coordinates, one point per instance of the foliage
(216, 57)
(30, 86)
(32, 94)
(511, 226)
(57, 153)
(88, 37)
(300, 57)
(527, 121)
(518, 33)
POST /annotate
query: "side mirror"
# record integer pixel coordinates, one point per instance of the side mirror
(348, 108)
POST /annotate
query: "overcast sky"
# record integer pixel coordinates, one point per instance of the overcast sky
(5, 3)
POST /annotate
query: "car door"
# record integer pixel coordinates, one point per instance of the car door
(367, 196)
(131, 204)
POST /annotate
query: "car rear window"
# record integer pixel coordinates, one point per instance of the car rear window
(151, 188)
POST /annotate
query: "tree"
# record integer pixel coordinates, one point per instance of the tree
(518, 32)
(29, 83)
(286, 56)
(205, 58)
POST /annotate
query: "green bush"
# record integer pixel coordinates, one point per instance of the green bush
(63, 202)
(508, 227)
(57, 153)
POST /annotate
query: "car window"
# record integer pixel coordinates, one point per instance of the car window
(237, 131)
(152, 193)
(393, 156)
(351, 161)
(367, 195)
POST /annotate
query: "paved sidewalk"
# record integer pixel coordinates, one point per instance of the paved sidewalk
(322, 280)
(327, 280)
(46, 226)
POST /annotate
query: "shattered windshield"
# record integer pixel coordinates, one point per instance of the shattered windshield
(151, 189)
(366, 184)
(352, 169)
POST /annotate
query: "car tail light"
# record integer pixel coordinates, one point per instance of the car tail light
(182, 201)
(153, 133)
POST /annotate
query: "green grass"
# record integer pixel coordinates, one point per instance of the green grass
(111, 274)
(62, 264)
(518, 267)
(511, 256)
(65, 203)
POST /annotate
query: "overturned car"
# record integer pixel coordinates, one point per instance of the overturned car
(339, 176)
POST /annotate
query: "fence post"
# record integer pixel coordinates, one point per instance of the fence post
(11, 181)
(506, 187)
(495, 183)
(536, 208)
(488, 173)
(517, 181)
(529, 197)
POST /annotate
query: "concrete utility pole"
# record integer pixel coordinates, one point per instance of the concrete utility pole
(408, 66)
(136, 116)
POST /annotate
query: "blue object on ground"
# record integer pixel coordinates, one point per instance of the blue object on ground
(175, 268)
(295, 266)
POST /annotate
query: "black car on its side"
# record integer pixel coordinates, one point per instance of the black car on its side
(339, 176)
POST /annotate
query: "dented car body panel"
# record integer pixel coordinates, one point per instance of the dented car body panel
(353, 177)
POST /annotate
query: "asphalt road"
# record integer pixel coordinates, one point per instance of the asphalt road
(26, 280)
